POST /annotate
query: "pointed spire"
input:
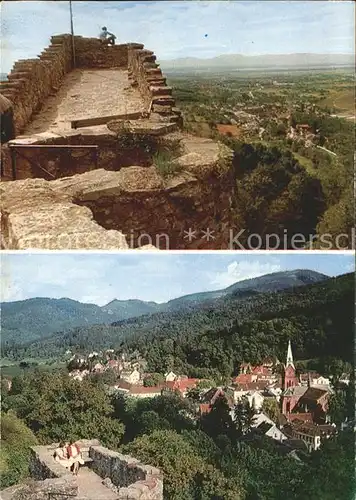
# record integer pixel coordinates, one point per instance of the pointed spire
(290, 356)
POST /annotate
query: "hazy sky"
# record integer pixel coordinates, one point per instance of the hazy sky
(189, 28)
(161, 276)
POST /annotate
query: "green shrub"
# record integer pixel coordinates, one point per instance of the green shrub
(166, 164)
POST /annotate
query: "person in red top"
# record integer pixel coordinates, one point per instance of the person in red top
(75, 455)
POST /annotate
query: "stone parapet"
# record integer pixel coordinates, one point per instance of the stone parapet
(134, 480)
(31, 81)
(92, 53)
(144, 72)
(96, 209)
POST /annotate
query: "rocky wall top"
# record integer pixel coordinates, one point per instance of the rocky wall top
(126, 475)
(31, 81)
(92, 53)
(144, 72)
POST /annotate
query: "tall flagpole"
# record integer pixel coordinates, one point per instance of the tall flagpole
(72, 33)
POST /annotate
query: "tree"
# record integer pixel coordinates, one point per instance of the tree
(16, 439)
(153, 379)
(244, 415)
(218, 420)
(59, 408)
(210, 483)
(271, 409)
(173, 455)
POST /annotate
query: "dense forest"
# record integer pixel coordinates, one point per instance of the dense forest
(32, 319)
(213, 338)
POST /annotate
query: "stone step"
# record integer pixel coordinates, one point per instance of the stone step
(14, 75)
(148, 59)
(162, 101)
(157, 90)
(153, 71)
(162, 109)
(9, 94)
(155, 80)
(135, 46)
(150, 65)
(145, 52)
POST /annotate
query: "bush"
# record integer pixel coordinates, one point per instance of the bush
(165, 163)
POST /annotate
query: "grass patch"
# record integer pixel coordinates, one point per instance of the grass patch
(166, 163)
(306, 163)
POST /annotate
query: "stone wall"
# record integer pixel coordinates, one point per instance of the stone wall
(31, 81)
(125, 476)
(94, 209)
(145, 73)
(92, 53)
(113, 152)
(134, 480)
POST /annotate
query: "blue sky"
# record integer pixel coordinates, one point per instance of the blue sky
(161, 276)
(190, 28)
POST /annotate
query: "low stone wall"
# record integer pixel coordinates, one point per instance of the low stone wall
(31, 81)
(125, 476)
(145, 73)
(95, 209)
(113, 152)
(92, 53)
(134, 480)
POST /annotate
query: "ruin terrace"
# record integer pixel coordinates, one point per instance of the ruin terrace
(100, 158)
(106, 475)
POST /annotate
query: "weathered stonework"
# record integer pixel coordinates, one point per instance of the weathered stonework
(107, 475)
(122, 192)
(133, 479)
(31, 81)
(95, 209)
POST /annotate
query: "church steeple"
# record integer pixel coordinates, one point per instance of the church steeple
(290, 356)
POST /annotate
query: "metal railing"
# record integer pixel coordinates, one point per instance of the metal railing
(14, 149)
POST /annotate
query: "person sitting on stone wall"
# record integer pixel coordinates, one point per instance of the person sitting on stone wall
(106, 37)
(75, 455)
(61, 456)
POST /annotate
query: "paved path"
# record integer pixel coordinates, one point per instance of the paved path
(86, 94)
(90, 486)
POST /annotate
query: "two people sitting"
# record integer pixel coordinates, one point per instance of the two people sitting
(106, 37)
(69, 456)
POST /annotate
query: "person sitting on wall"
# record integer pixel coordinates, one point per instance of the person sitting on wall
(106, 37)
(61, 456)
(75, 455)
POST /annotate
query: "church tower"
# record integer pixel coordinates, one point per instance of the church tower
(290, 378)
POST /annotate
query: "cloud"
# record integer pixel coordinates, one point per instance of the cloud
(177, 29)
(238, 271)
(160, 276)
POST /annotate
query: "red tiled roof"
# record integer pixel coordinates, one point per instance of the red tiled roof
(303, 417)
(183, 385)
(140, 389)
(261, 370)
(204, 408)
(253, 386)
(314, 394)
(243, 378)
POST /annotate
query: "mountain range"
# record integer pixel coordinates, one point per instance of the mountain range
(268, 61)
(32, 319)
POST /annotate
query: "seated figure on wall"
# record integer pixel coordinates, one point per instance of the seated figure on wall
(106, 37)
(75, 455)
(61, 456)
